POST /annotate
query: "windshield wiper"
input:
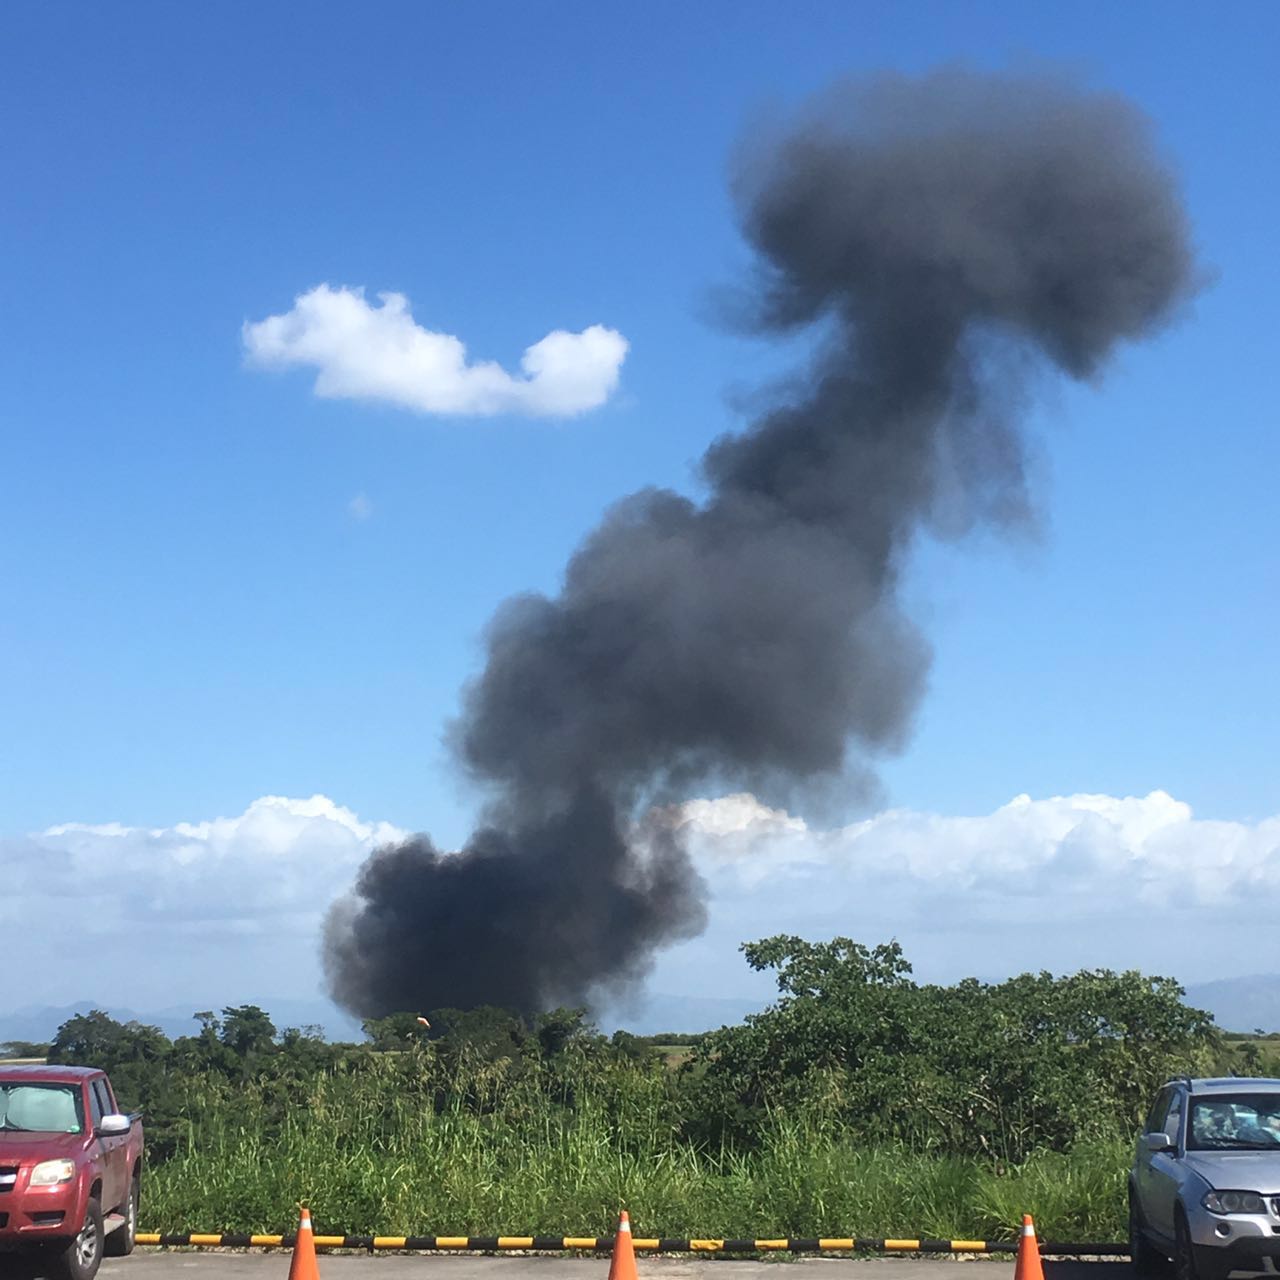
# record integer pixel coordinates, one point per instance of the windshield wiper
(16, 1128)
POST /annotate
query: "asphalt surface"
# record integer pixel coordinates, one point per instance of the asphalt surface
(154, 1264)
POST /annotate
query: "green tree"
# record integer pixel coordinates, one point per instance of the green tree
(25, 1048)
(135, 1056)
(395, 1031)
(97, 1040)
(88, 1039)
(247, 1031)
(855, 1046)
(633, 1048)
(559, 1028)
(485, 1032)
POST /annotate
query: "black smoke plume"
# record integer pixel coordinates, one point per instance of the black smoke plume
(946, 238)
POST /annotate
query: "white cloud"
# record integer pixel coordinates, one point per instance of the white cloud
(368, 352)
(1091, 854)
(1059, 883)
(275, 866)
(232, 906)
(360, 508)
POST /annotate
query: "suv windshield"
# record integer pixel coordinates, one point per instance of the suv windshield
(1235, 1122)
(41, 1108)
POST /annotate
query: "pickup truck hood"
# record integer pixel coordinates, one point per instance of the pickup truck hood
(1238, 1170)
(28, 1148)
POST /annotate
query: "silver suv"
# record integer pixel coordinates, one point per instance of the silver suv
(1205, 1184)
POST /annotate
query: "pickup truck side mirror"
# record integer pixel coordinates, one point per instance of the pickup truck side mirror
(1155, 1142)
(113, 1125)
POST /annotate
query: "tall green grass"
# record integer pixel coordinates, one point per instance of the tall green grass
(543, 1152)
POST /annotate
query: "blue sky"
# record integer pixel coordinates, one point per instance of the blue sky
(194, 615)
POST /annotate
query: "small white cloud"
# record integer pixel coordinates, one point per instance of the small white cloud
(367, 352)
(737, 814)
(360, 508)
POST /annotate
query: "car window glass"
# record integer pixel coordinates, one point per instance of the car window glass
(95, 1107)
(41, 1108)
(1155, 1118)
(103, 1097)
(1173, 1121)
(1235, 1121)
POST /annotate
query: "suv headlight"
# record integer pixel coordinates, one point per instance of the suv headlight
(1234, 1202)
(51, 1172)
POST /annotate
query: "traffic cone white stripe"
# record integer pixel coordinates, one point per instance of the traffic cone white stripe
(622, 1266)
(302, 1266)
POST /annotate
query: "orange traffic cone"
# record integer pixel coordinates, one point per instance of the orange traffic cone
(1029, 1266)
(623, 1264)
(303, 1266)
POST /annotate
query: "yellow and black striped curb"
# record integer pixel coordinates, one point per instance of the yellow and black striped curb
(600, 1244)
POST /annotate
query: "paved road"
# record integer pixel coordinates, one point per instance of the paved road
(158, 1264)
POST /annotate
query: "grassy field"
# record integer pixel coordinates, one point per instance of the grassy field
(674, 1055)
(367, 1157)
(859, 1104)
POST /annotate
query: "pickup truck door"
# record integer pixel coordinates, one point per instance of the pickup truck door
(114, 1150)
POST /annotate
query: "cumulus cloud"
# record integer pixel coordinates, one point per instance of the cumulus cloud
(232, 906)
(1088, 853)
(379, 352)
(1059, 883)
(1085, 853)
(269, 868)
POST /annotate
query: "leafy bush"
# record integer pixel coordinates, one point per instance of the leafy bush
(860, 1103)
(1001, 1070)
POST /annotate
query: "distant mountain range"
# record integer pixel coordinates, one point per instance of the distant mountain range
(1240, 1004)
(41, 1022)
(649, 1016)
(661, 1011)
(1237, 1004)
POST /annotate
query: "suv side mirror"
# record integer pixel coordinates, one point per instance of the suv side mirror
(113, 1125)
(1158, 1142)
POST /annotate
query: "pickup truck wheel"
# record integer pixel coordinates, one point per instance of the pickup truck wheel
(119, 1244)
(80, 1259)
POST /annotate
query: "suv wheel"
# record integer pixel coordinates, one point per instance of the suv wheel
(1146, 1259)
(119, 1244)
(80, 1259)
(1184, 1259)
(1188, 1261)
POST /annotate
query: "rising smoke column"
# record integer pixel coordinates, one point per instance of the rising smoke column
(947, 238)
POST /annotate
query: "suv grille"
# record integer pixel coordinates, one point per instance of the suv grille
(8, 1176)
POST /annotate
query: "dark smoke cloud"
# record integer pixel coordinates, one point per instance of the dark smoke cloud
(945, 236)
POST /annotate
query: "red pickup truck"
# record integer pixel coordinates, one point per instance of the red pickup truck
(70, 1166)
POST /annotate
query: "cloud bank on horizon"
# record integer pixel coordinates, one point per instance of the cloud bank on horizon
(234, 875)
(1086, 853)
(363, 351)
(263, 877)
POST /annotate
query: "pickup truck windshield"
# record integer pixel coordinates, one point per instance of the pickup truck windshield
(41, 1108)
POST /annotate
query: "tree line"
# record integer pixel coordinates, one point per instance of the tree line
(852, 1044)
